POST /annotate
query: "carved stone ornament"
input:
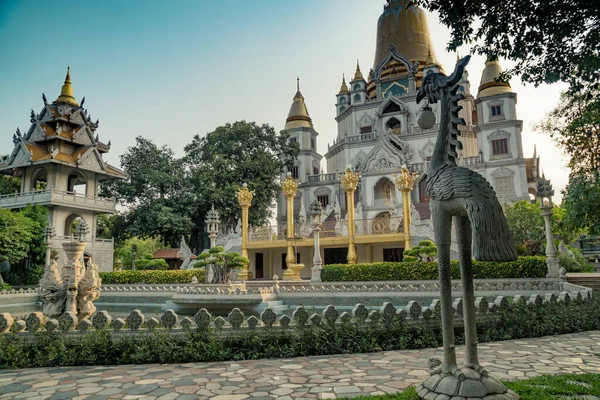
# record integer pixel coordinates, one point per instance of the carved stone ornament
(349, 180)
(405, 180)
(245, 196)
(289, 186)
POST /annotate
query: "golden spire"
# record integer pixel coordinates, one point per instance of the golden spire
(66, 92)
(429, 60)
(489, 84)
(298, 116)
(344, 88)
(358, 74)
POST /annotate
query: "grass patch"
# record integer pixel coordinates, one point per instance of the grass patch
(544, 387)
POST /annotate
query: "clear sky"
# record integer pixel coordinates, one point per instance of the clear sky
(168, 70)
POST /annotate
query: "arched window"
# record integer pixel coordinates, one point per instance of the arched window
(342, 100)
(39, 180)
(384, 192)
(342, 108)
(393, 123)
(76, 183)
(357, 87)
(71, 224)
(357, 97)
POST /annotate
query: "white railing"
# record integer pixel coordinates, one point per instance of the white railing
(50, 196)
(93, 242)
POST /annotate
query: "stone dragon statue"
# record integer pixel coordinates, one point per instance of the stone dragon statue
(463, 195)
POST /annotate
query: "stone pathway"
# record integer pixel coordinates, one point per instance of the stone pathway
(307, 377)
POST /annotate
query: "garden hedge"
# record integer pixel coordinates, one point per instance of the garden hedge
(151, 277)
(524, 267)
(151, 264)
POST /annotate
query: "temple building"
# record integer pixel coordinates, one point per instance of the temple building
(59, 161)
(376, 115)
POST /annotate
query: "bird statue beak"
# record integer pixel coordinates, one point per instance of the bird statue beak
(420, 96)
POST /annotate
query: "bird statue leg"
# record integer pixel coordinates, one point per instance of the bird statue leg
(442, 221)
(464, 238)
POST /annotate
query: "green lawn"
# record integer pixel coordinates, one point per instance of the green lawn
(540, 388)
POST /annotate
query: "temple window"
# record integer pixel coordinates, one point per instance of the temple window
(357, 97)
(342, 108)
(295, 172)
(366, 129)
(357, 87)
(496, 110)
(324, 200)
(342, 100)
(499, 146)
(313, 143)
(394, 124)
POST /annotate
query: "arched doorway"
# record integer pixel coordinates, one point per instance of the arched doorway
(76, 183)
(71, 224)
(39, 180)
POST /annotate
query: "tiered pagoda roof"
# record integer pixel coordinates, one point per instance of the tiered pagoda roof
(62, 133)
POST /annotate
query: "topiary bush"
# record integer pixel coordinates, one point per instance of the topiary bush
(151, 264)
(524, 267)
(151, 277)
(426, 251)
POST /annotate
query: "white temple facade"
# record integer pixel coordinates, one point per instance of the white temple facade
(378, 132)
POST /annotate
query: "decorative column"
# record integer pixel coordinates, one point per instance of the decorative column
(545, 193)
(245, 200)
(316, 213)
(290, 187)
(212, 225)
(349, 181)
(405, 181)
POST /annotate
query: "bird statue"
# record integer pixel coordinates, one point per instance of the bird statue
(460, 194)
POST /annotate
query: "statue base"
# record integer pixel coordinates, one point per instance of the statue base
(473, 385)
(244, 274)
(293, 272)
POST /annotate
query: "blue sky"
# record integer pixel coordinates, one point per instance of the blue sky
(170, 70)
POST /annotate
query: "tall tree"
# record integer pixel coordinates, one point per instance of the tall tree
(234, 154)
(155, 193)
(581, 199)
(574, 125)
(527, 226)
(549, 40)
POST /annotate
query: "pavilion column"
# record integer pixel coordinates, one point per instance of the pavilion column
(290, 187)
(245, 200)
(405, 181)
(349, 182)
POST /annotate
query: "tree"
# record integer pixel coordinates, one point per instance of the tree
(9, 184)
(527, 226)
(219, 264)
(144, 250)
(549, 40)
(426, 251)
(17, 233)
(574, 125)
(581, 199)
(233, 154)
(156, 194)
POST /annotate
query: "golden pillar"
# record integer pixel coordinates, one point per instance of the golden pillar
(349, 181)
(289, 187)
(245, 200)
(405, 181)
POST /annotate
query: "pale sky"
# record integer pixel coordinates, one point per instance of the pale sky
(170, 70)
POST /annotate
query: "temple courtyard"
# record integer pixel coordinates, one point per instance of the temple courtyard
(322, 377)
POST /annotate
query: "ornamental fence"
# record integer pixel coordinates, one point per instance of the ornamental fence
(236, 321)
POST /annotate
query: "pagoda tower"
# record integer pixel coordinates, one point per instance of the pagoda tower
(59, 161)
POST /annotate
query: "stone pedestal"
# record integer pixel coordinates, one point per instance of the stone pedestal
(292, 273)
(472, 385)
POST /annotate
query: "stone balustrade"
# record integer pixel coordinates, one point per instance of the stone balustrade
(301, 317)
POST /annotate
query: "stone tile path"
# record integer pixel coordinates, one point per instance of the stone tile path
(308, 377)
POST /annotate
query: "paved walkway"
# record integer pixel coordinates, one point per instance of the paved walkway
(306, 377)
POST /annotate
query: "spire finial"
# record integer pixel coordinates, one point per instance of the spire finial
(429, 60)
(298, 83)
(344, 87)
(66, 92)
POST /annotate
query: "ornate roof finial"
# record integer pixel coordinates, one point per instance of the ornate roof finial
(429, 60)
(344, 88)
(298, 83)
(66, 92)
(358, 74)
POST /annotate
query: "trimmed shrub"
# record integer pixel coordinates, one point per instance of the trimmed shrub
(524, 267)
(151, 264)
(151, 277)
